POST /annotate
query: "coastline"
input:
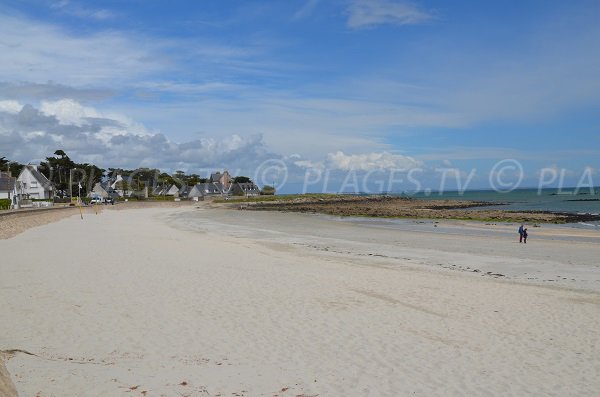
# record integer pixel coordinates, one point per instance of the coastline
(205, 301)
(408, 208)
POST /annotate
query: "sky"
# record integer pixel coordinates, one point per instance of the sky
(314, 95)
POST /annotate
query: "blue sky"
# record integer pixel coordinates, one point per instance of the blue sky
(327, 84)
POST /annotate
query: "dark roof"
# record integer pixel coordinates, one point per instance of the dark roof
(247, 185)
(157, 191)
(215, 177)
(104, 186)
(210, 188)
(7, 184)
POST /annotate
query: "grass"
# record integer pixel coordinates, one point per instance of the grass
(268, 198)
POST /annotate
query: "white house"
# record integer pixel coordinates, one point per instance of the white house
(34, 184)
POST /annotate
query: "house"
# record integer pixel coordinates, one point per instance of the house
(34, 184)
(184, 191)
(224, 179)
(7, 186)
(158, 191)
(172, 190)
(104, 190)
(207, 189)
(245, 189)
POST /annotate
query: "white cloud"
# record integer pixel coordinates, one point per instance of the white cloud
(371, 161)
(39, 52)
(365, 13)
(77, 10)
(110, 140)
(12, 107)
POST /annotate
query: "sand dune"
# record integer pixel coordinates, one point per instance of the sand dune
(123, 304)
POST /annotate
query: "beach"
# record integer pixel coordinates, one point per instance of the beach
(202, 301)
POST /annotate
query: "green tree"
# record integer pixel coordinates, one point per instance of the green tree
(11, 166)
(268, 190)
(58, 171)
(242, 179)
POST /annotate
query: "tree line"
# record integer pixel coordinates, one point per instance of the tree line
(67, 176)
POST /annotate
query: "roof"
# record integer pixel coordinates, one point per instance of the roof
(207, 188)
(104, 186)
(215, 177)
(7, 184)
(158, 190)
(247, 185)
(41, 178)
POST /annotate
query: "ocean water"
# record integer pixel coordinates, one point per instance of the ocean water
(584, 201)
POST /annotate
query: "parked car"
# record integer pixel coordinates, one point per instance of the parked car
(96, 200)
(109, 200)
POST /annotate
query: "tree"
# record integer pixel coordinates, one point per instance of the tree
(193, 179)
(10, 166)
(88, 175)
(242, 179)
(58, 171)
(268, 190)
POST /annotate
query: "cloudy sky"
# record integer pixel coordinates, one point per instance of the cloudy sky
(317, 85)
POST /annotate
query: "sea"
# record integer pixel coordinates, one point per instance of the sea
(578, 201)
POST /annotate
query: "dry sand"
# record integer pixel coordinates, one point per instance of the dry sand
(15, 222)
(121, 304)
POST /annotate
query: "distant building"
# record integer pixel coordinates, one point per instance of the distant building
(104, 190)
(245, 189)
(8, 186)
(184, 191)
(224, 179)
(207, 189)
(171, 190)
(34, 184)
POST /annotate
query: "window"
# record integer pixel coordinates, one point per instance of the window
(33, 184)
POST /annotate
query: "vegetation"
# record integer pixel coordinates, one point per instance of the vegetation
(11, 166)
(5, 204)
(284, 198)
(241, 179)
(67, 176)
(268, 190)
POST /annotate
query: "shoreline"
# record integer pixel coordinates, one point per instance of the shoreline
(408, 208)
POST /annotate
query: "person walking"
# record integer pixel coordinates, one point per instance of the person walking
(521, 230)
(525, 234)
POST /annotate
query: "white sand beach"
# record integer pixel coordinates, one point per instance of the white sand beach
(209, 302)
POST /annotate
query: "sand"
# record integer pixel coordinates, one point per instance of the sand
(140, 302)
(15, 222)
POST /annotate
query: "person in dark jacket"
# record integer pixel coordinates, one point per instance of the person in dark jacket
(525, 234)
(521, 233)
